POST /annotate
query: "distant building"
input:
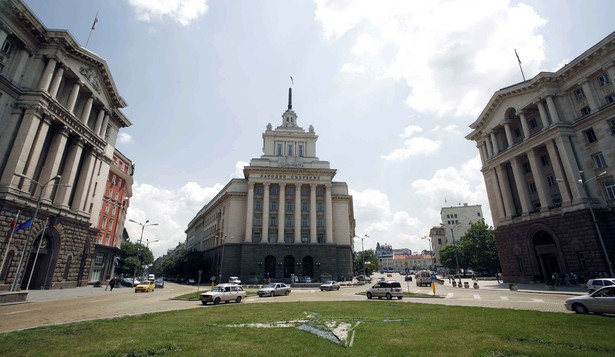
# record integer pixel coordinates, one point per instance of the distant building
(401, 262)
(548, 153)
(59, 120)
(286, 218)
(456, 221)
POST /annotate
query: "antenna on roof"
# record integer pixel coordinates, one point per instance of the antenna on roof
(290, 94)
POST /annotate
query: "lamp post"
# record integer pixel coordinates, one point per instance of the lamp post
(591, 210)
(147, 242)
(430, 252)
(143, 225)
(363, 251)
(221, 260)
(42, 187)
(455, 245)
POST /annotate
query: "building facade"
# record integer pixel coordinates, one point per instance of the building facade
(112, 217)
(456, 221)
(547, 150)
(59, 120)
(402, 262)
(286, 218)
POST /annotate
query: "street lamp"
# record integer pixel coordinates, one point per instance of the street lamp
(455, 245)
(42, 187)
(363, 251)
(147, 242)
(143, 225)
(221, 260)
(582, 181)
(430, 253)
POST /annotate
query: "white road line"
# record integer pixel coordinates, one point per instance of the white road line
(477, 297)
(504, 298)
(99, 300)
(19, 312)
(538, 300)
(449, 296)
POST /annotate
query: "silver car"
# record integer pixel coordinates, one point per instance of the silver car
(274, 289)
(386, 289)
(601, 301)
(330, 285)
(595, 284)
(223, 292)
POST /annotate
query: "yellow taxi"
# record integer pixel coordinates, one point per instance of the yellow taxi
(145, 286)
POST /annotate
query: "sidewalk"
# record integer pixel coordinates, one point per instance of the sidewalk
(527, 288)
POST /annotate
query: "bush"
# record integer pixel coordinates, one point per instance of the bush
(98, 284)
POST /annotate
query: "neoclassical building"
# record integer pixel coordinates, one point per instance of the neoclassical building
(285, 217)
(548, 150)
(59, 120)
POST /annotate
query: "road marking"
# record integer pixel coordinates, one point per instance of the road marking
(449, 296)
(19, 312)
(477, 297)
(538, 300)
(100, 300)
(504, 298)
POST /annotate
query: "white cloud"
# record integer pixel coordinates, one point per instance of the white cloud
(181, 11)
(239, 165)
(410, 130)
(353, 68)
(452, 55)
(413, 147)
(124, 138)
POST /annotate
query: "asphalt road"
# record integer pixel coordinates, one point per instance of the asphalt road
(53, 307)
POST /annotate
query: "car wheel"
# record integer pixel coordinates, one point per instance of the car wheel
(579, 309)
(399, 297)
(136, 291)
(217, 301)
(238, 300)
(204, 302)
(338, 288)
(322, 289)
(272, 294)
(287, 292)
(389, 296)
(369, 295)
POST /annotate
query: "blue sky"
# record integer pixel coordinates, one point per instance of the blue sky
(389, 86)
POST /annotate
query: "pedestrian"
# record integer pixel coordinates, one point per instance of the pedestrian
(498, 276)
(112, 284)
(108, 280)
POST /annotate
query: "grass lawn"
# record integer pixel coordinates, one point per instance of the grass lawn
(379, 328)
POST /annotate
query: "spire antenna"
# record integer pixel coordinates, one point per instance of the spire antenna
(290, 94)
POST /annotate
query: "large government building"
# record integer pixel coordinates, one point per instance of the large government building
(59, 120)
(548, 150)
(286, 218)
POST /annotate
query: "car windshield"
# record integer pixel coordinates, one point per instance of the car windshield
(329, 282)
(217, 289)
(269, 286)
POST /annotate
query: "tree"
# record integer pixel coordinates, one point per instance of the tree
(478, 246)
(371, 262)
(133, 255)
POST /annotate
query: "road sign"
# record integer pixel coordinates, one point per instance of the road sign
(433, 277)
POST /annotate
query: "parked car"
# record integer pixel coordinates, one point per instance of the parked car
(129, 282)
(307, 279)
(145, 286)
(600, 301)
(387, 289)
(595, 284)
(159, 282)
(364, 279)
(423, 277)
(274, 289)
(234, 280)
(380, 279)
(329, 285)
(223, 292)
(190, 282)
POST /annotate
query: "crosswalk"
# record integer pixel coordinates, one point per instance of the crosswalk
(480, 297)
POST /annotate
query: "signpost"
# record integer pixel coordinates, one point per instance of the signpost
(433, 283)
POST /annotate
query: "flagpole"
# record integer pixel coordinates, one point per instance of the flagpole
(8, 244)
(92, 29)
(521, 68)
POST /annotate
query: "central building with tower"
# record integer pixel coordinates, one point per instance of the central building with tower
(285, 218)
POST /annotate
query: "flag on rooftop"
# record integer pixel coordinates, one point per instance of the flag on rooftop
(95, 22)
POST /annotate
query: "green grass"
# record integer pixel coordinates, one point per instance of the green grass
(385, 329)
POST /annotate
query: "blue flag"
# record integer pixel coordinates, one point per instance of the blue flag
(24, 225)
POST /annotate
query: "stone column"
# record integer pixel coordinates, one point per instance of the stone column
(22, 146)
(610, 70)
(83, 182)
(55, 83)
(45, 80)
(328, 214)
(37, 147)
(558, 172)
(544, 118)
(313, 228)
(103, 128)
(539, 178)
(68, 173)
(250, 213)
(509, 136)
(266, 212)
(297, 207)
(99, 121)
(281, 212)
(54, 157)
(572, 173)
(552, 109)
(589, 94)
(504, 184)
(522, 190)
(85, 114)
(494, 142)
(481, 149)
(489, 146)
(72, 99)
(526, 129)
(23, 57)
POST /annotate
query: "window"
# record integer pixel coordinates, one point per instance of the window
(113, 210)
(439, 240)
(289, 238)
(527, 168)
(320, 192)
(305, 238)
(6, 47)
(319, 207)
(590, 136)
(610, 190)
(604, 80)
(320, 222)
(258, 205)
(274, 205)
(579, 94)
(612, 126)
(599, 160)
(289, 191)
(533, 124)
(610, 98)
(305, 221)
(478, 214)
(532, 186)
(289, 206)
(551, 180)
(304, 206)
(517, 132)
(273, 221)
(110, 192)
(557, 201)
(273, 238)
(119, 183)
(258, 190)
(305, 191)
(585, 111)
(257, 220)
(104, 223)
(321, 237)
(545, 160)
(289, 221)
(290, 149)
(107, 205)
(256, 237)
(300, 150)
(274, 190)
(279, 149)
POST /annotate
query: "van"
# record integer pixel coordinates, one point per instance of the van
(151, 277)
(386, 289)
(423, 277)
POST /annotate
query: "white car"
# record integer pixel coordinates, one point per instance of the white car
(274, 289)
(600, 301)
(595, 284)
(223, 292)
(234, 280)
(330, 285)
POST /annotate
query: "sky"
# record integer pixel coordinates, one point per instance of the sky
(390, 87)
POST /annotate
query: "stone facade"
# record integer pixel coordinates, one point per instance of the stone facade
(547, 150)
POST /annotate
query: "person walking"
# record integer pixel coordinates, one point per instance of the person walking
(112, 284)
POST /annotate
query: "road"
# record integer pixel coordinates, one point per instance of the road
(49, 307)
